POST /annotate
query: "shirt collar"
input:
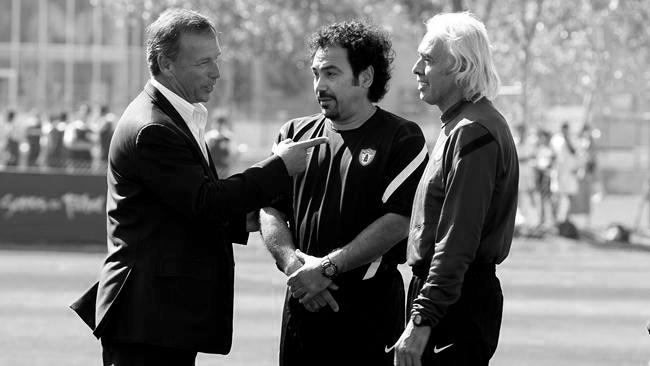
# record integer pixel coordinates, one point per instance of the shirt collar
(184, 108)
(453, 111)
(338, 127)
(195, 115)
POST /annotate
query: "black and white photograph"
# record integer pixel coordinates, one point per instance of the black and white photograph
(325, 182)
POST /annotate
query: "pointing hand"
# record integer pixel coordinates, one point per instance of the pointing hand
(294, 154)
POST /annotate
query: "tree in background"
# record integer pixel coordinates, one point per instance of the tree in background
(561, 52)
(263, 40)
(557, 52)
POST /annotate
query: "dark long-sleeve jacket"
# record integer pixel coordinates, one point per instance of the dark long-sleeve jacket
(465, 205)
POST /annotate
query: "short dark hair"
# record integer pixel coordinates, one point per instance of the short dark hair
(367, 45)
(164, 33)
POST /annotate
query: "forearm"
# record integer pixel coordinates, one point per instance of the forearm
(378, 238)
(278, 240)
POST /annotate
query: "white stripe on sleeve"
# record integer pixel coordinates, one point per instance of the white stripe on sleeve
(404, 174)
(372, 270)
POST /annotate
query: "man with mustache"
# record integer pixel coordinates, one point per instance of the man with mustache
(464, 209)
(340, 232)
(165, 290)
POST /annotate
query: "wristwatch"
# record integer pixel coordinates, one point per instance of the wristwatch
(328, 268)
(420, 320)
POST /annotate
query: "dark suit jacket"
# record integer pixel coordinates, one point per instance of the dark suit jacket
(168, 276)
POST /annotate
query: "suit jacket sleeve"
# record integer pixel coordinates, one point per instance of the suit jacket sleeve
(168, 167)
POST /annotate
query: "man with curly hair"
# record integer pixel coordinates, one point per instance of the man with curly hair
(340, 232)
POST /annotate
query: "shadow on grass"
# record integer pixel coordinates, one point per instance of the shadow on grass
(599, 240)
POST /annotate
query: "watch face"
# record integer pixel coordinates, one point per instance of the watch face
(417, 319)
(330, 271)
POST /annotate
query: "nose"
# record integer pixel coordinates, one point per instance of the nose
(319, 84)
(417, 67)
(214, 71)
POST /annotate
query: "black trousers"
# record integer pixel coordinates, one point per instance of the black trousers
(370, 320)
(133, 354)
(469, 333)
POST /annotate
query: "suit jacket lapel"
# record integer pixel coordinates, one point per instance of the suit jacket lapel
(162, 102)
(213, 168)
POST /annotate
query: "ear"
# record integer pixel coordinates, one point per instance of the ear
(450, 64)
(366, 77)
(165, 64)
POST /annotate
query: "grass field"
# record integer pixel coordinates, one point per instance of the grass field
(566, 303)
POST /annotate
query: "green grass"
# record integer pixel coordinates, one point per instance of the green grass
(566, 303)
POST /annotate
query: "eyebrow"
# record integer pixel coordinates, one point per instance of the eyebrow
(209, 57)
(326, 68)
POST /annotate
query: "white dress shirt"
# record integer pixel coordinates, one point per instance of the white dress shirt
(195, 115)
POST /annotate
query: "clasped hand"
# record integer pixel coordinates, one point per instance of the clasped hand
(310, 286)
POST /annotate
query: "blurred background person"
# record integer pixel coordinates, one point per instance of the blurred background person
(586, 174)
(53, 131)
(564, 177)
(4, 130)
(105, 128)
(12, 140)
(544, 159)
(221, 144)
(525, 144)
(33, 134)
(78, 140)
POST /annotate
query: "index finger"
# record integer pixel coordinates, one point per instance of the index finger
(311, 142)
(330, 300)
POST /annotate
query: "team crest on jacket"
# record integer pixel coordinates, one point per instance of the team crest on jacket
(366, 156)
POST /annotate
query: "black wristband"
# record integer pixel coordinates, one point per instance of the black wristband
(420, 320)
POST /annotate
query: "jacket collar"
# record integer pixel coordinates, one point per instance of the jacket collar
(161, 102)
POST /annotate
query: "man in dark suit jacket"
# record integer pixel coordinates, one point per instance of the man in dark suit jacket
(165, 290)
